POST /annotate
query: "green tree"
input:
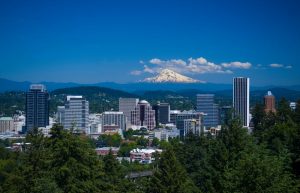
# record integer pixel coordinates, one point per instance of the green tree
(259, 171)
(284, 111)
(112, 173)
(258, 114)
(110, 140)
(170, 177)
(143, 142)
(126, 147)
(74, 163)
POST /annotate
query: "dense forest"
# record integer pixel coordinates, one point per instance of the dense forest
(267, 160)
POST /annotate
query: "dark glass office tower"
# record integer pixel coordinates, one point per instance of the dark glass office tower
(37, 107)
(162, 113)
(206, 104)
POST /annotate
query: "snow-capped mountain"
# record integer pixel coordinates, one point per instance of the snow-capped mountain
(167, 75)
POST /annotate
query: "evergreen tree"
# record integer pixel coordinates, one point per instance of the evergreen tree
(74, 163)
(259, 171)
(284, 111)
(170, 177)
(258, 114)
(112, 173)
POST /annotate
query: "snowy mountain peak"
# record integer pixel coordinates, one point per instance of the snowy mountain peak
(170, 76)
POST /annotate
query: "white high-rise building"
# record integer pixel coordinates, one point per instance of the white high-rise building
(110, 118)
(126, 105)
(241, 99)
(75, 114)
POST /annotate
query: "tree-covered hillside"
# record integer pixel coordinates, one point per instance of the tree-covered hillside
(104, 99)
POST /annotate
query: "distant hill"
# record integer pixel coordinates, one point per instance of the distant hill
(89, 91)
(8, 85)
(137, 87)
(100, 99)
(104, 99)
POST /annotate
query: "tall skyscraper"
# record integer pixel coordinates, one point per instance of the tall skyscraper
(162, 113)
(75, 113)
(143, 115)
(241, 98)
(126, 105)
(37, 107)
(269, 101)
(206, 104)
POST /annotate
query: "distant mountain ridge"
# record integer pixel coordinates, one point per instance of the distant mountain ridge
(8, 85)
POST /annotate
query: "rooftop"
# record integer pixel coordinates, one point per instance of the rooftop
(137, 150)
(113, 113)
(6, 119)
(143, 102)
(38, 87)
(74, 97)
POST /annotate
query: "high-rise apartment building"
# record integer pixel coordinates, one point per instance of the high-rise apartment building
(110, 118)
(126, 105)
(241, 98)
(206, 104)
(162, 113)
(269, 101)
(143, 115)
(75, 114)
(37, 107)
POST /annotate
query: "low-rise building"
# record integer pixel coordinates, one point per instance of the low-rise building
(165, 134)
(214, 131)
(105, 151)
(144, 156)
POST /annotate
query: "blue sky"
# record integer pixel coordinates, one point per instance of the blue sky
(126, 41)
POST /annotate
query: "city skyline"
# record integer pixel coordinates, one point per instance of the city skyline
(89, 42)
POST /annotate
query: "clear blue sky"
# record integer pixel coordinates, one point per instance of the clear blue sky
(95, 41)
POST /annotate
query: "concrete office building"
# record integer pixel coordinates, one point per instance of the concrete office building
(143, 115)
(269, 101)
(162, 113)
(111, 118)
(241, 98)
(75, 114)
(126, 105)
(192, 126)
(37, 107)
(6, 125)
(178, 117)
(206, 104)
